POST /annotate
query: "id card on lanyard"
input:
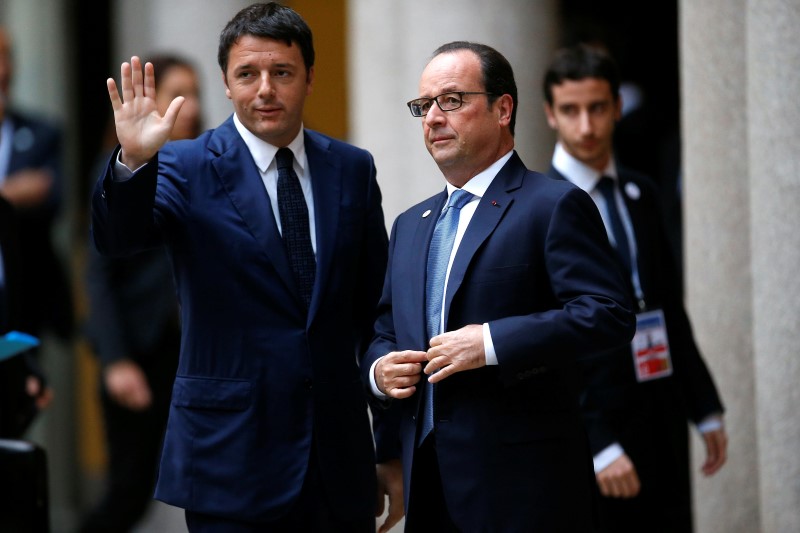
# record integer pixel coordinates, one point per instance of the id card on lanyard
(650, 347)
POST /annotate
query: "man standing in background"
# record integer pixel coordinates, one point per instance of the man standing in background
(31, 181)
(637, 398)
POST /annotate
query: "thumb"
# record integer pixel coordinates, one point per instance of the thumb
(174, 107)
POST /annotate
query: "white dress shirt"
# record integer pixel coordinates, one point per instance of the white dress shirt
(477, 186)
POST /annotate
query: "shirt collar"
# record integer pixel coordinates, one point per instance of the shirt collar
(264, 153)
(478, 184)
(578, 173)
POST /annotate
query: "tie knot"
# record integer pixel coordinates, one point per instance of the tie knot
(459, 198)
(284, 158)
(606, 185)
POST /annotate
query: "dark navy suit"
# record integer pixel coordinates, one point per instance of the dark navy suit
(649, 419)
(259, 378)
(536, 265)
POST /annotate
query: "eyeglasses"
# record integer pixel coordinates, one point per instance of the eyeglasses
(446, 101)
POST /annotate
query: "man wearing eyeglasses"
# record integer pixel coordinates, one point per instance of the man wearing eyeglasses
(495, 287)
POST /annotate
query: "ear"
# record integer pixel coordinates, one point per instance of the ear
(618, 108)
(310, 81)
(551, 117)
(225, 82)
(505, 105)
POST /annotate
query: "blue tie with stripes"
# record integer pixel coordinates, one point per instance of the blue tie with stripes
(438, 257)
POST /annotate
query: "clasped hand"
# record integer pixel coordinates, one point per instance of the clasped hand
(397, 373)
(141, 131)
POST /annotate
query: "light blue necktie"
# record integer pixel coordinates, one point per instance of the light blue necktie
(438, 257)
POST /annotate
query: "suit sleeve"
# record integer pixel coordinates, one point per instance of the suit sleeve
(385, 413)
(593, 311)
(123, 211)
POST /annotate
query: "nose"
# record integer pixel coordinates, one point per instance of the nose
(585, 123)
(265, 87)
(435, 115)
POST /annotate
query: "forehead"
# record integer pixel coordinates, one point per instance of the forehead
(252, 50)
(580, 91)
(451, 71)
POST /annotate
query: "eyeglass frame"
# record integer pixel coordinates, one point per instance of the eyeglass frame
(436, 99)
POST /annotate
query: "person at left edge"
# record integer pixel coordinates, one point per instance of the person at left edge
(32, 181)
(268, 427)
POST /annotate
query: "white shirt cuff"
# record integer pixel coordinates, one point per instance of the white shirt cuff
(710, 423)
(607, 455)
(373, 384)
(488, 346)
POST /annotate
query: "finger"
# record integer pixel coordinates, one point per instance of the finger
(442, 373)
(391, 520)
(716, 452)
(113, 94)
(171, 114)
(381, 503)
(149, 81)
(136, 76)
(629, 486)
(401, 393)
(125, 80)
(605, 487)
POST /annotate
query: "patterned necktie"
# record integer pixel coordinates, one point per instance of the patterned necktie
(293, 211)
(606, 187)
(438, 258)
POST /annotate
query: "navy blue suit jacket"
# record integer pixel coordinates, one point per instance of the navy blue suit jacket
(535, 264)
(258, 377)
(616, 406)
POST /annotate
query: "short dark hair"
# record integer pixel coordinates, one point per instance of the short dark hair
(269, 20)
(498, 76)
(577, 63)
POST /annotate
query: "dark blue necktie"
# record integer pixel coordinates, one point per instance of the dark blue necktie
(293, 211)
(606, 187)
(438, 257)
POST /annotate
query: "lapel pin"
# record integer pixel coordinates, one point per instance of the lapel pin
(426, 213)
(494, 203)
(632, 190)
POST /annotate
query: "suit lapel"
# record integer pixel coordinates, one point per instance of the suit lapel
(421, 242)
(248, 195)
(326, 183)
(491, 208)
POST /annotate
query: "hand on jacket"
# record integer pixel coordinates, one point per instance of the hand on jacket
(397, 373)
(456, 351)
(619, 479)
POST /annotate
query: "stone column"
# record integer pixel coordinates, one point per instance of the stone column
(390, 43)
(741, 189)
(773, 83)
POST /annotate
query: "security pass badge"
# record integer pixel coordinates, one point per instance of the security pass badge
(650, 347)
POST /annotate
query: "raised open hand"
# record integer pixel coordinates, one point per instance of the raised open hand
(140, 129)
